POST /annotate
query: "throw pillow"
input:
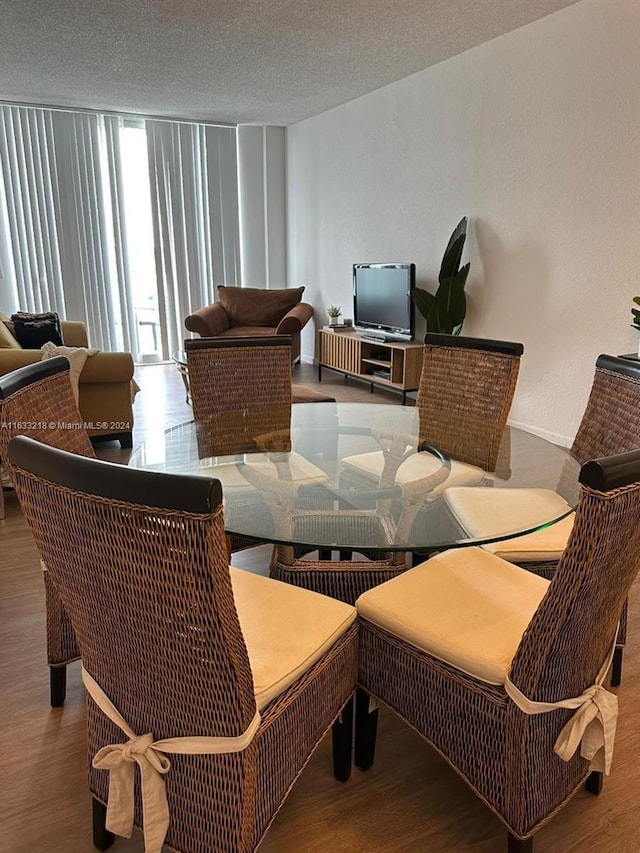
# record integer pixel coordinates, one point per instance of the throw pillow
(34, 330)
(253, 306)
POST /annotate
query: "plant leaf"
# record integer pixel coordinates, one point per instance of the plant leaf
(636, 299)
(423, 300)
(453, 253)
(451, 300)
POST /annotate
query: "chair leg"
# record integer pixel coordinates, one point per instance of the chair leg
(57, 685)
(517, 845)
(594, 781)
(616, 667)
(366, 730)
(126, 440)
(342, 742)
(102, 838)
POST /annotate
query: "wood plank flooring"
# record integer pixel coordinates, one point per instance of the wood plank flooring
(409, 802)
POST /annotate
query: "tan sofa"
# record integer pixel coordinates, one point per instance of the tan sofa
(253, 311)
(104, 387)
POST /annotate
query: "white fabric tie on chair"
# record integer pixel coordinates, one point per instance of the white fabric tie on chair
(119, 760)
(592, 727)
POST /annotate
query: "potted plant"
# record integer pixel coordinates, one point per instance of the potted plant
(333, 311)
(445, 310)
(636, 319)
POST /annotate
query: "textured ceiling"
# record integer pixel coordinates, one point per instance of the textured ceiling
(267, 61)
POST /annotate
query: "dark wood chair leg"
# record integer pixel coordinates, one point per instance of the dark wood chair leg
(366, 730)
(594, 781)
(616, 667)
(126, 440)
(57, 685)
(102, 838)
(517, 845)
(343, 743)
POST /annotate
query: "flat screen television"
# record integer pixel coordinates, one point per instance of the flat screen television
(382, 302)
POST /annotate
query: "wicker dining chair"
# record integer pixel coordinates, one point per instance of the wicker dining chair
(464, 397)
(459, 646)
(610, 424)
(240, 390)
(37, 400)
(237, 676)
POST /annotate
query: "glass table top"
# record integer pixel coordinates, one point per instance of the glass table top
(354, 476)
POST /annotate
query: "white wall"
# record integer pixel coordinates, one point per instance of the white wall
(536, 137)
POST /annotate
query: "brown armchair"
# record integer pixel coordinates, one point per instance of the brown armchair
(253, 311)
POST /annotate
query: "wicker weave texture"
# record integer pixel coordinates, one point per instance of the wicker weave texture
(505, 755)
(464, 400)
(240, 393)
(150, 597)
(610, 425)
(46, 411)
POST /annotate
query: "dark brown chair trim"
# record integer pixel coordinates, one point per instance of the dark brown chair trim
(506, 347)
(227, 341)
(21, 378)
(611, 472)
(105, 479)
(619, 365)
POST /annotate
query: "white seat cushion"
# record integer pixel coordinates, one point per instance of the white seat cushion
(414, 468)
(286, 629)
(230, 474)
(466, 607)
(491, 512)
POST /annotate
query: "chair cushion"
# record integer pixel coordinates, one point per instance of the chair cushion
(414, 468)
(286, 629)
(487, 512)
(253, 306)
(232, 480)
(466, 607)
(7, 340)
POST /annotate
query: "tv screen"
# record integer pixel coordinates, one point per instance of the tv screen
(382, 303)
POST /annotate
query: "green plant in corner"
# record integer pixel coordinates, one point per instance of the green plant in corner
(636, 313)
(334, 311)
(445, 310)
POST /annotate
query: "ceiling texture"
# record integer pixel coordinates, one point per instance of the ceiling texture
(258, 61)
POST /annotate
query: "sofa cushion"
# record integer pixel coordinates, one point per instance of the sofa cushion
(34, 330)
(253, 306)
(7, 340)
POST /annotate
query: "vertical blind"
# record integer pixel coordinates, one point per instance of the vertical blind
(68, 244)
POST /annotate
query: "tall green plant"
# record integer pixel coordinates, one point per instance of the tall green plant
(636, 313)
(445, 310)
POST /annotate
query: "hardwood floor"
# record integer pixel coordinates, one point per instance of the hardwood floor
(409, 802)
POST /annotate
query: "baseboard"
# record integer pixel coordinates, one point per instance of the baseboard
(553, 437)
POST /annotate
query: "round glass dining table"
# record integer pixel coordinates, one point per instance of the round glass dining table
(354, 476)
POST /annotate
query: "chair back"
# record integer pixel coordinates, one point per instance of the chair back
(575, 625)
(611, 420)
(37, 400)
(465, 395)
(140, 561)
(240, 389)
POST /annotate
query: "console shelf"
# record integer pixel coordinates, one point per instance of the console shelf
(388, 364)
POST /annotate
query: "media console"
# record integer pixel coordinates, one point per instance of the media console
(395, 365)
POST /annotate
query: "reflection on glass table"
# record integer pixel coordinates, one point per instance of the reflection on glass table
(295, 488)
